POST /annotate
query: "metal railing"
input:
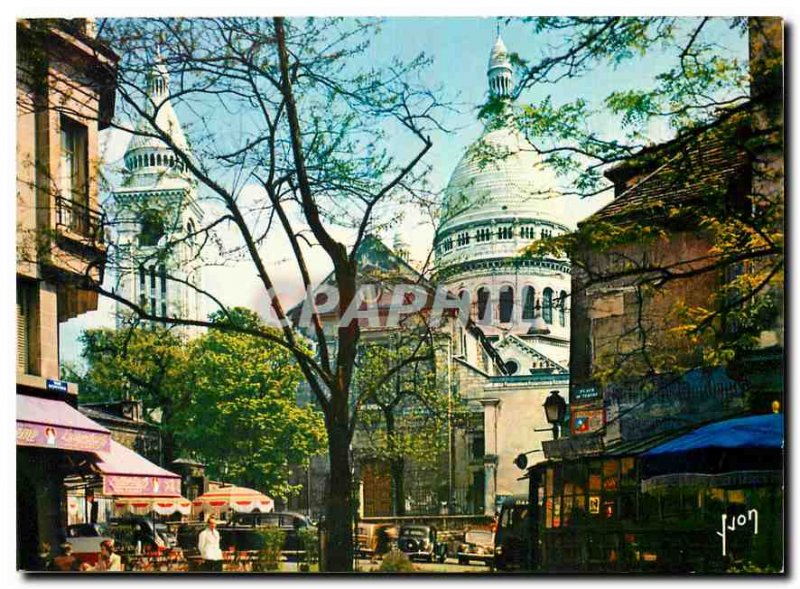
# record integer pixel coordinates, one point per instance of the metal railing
(464, 501)
(79, 218)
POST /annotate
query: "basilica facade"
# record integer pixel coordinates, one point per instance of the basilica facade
(501, 198)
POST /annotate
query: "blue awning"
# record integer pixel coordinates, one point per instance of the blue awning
(753, 432)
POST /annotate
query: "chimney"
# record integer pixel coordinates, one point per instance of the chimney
(131, 409)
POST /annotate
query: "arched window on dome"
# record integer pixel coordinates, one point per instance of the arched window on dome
(447, 244)
(547, 305)
(171, 161)
(152, 160)
(484, 306)
(158, 159)
(506, 304)
(484, 234)
(562, 308)
(505, 232)
(529, 303)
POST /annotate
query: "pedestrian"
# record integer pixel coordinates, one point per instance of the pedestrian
(208, 545)
(66, 561)
(108, 561)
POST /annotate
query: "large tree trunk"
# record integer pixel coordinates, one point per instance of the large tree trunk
(339, 520)
(396, 467)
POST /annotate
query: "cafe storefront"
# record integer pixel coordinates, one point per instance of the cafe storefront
(660, 506)
(54, 442)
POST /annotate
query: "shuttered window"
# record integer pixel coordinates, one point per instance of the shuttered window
(22, 329)
(26, 307)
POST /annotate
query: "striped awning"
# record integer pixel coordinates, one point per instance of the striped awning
(127, 474)
(239, 499)
(145, 505)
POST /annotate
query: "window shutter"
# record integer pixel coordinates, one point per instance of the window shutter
(22, 330)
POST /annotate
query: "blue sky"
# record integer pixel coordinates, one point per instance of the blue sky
(460, 49)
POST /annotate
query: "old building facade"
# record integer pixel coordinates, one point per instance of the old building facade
(65, 96)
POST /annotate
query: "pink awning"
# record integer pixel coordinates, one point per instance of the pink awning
(126, 473)
(47, 423)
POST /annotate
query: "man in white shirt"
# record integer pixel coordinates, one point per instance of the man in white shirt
(208, 545)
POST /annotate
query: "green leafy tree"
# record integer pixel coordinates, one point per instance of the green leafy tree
(241, 417)
(405, 417)
(299, 110)
(147, 364)
(699, 92)
(226, 398)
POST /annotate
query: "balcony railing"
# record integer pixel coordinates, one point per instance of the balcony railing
(79, 219)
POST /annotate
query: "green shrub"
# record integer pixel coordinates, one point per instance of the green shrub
(270, 554)
(309, 543)
(396, 562)
(749, 568)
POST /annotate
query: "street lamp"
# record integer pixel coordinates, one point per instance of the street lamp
(555, 409)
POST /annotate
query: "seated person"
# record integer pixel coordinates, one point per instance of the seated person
(66, 561)
(108, 561)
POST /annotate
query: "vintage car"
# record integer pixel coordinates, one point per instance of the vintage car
(512, 542)
(129, 534)
(373, 540)
(478, 545)
(85, 540)
(243, 532)
(167, 534)
(135, 533)
(419, 541)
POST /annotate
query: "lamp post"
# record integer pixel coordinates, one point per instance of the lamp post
(555, 408)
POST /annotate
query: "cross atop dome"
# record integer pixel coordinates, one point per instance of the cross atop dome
(499, 70)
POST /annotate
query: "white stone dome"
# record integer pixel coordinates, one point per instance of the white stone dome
(501, 177)
(499, 55)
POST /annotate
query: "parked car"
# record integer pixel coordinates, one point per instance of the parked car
(188, 534)
(135, 533)
(290, 523)
(512, 543)
(372, 540)
(167, 534)
(85, 540)
(478, 545)
(129, 534)
(420, 542)
(242, 532)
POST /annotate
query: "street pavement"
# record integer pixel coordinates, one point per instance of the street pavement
(449, 566)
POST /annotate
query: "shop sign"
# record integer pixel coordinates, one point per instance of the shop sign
(586, 421)
(594, 504)
(114, 484)
(64, 438)
(586, 392)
